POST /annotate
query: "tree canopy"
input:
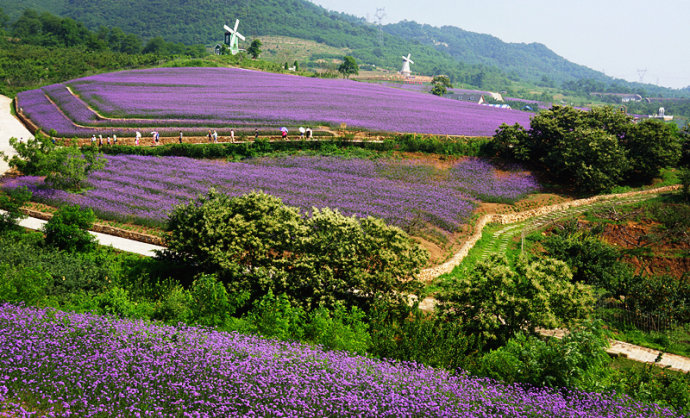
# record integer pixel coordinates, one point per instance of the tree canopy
(256, 244)
(594, 150)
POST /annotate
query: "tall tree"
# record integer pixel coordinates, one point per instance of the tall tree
(254, 49)
(348, 67)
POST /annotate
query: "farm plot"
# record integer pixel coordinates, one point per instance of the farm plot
(223, 98)
(407, 193)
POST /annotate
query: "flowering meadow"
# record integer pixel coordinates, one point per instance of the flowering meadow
(224, 98)
(64, 364)
(406, 193)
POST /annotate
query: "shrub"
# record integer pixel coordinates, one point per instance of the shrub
(68, 229)
(496, 301)
(339, 329)
(254, 244)
(578, 360)
(11, 202)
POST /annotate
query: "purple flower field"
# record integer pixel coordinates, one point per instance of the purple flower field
(227, 97)
(64, 364)
(404, 193)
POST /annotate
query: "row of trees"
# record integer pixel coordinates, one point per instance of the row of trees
(594, 150)
(45, 29)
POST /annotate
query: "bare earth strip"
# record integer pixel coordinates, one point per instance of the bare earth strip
(11, 127)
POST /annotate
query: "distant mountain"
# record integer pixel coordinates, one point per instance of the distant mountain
(534, 62)
(480, 60)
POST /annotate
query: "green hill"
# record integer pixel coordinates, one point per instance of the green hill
(534, 62)
(476, 59)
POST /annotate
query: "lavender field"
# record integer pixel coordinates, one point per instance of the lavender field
(407, 193)
(62, 364)
(224, 98)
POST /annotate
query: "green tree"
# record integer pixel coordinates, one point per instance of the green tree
(591, 260)
(69, 167)
(11, 203)
(65, 167)
(156, 46)
(444, 80)
(496, 301)
(68, 229)
(348, 67)
(33, 156)
(254, 49)
(652, 145)
(296, 65)
(439, 89)
(256, 244)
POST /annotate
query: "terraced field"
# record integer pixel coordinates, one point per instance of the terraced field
(194, 100)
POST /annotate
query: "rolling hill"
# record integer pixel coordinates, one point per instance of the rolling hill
(477, 59)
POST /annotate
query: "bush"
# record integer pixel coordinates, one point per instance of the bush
(254, 244)
(68, 229)
(496, 301)
(65, 167)
(212, 305)
(406, 333)
(591, 261)
(578, 360)
(340, 329)
(11, 202)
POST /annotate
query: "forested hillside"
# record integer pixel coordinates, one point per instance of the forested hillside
(475, 59)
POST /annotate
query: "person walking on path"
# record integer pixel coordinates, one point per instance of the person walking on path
(256, 133)
(215, 136)
(136, 138)
(180, 137)
(209, 136)
(93, 139)
(114, 139)
(100, 140)
(232, 135)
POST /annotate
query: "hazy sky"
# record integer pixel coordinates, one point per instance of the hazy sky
(618, 37)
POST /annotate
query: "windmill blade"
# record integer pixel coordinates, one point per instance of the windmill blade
(408, 56)
(237, 23)
(405, 58)
(227, 28)
(239, 35)
(411, 62)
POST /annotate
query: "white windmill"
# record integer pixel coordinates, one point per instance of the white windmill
(231, 38)
(406, 65)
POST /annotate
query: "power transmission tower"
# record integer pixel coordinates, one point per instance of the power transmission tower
(380, 14)
(642, 72)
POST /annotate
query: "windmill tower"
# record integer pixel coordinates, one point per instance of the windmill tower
(406, 65)
(232, 36)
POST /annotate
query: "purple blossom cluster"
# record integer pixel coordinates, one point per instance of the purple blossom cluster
(478, 178)
(65, 364)
(409, 194)
(208, 97)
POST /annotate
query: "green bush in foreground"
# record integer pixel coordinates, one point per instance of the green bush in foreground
(68, 229)
(256, 244)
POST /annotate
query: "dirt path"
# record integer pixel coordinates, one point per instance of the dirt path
(10, 127)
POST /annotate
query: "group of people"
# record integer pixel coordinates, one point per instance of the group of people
(212, 137)
(99, 142)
